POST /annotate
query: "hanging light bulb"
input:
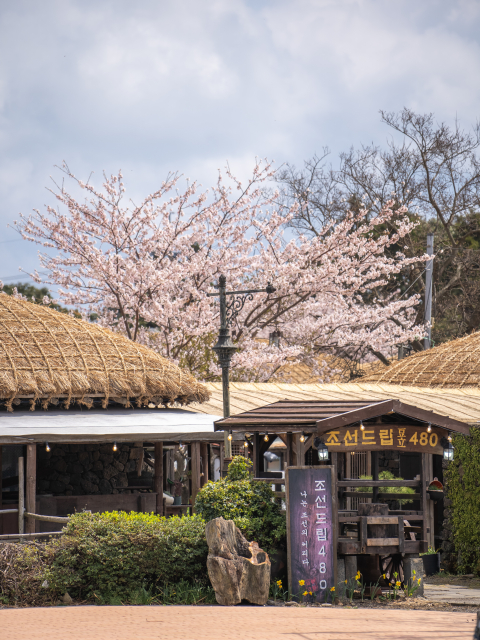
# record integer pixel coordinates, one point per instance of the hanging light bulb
(362, 428)
(265, 437)
(429, 428)
(115, 446)
(245, 443)
(47, 446)
(302, 437)
(449, 438)
(230, 437)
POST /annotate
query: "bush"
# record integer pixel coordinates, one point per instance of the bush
(114, 554)
(462, 478)
(22, 573)
(250, 504)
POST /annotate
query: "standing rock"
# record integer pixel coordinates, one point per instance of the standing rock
(238, 569)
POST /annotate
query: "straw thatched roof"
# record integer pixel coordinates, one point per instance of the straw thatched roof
(454, 364)
(49, 355)
(459, 404)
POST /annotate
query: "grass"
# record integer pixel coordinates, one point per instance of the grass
(168, 594)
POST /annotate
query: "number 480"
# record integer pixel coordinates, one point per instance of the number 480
(424, 439)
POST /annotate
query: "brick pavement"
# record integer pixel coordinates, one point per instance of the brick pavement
(231, 623)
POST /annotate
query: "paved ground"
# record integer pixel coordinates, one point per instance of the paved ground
(231, 623)
(453, 594)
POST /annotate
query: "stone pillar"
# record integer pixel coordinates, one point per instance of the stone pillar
(31, 486)
(350, 567)
(411, 563)
(158, 478)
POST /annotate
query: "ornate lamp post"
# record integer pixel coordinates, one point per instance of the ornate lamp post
(225, 347)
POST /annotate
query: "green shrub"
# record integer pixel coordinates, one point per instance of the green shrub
(462, 478)
(249, 503)
(115, 554)
(388, 475)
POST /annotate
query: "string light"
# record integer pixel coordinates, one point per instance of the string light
(302, 437)
(362, 428)
(449, 438)
(429, 428)
(265, 437)
(245, 443)
(115, 446)
(230, 437)
(47, 446)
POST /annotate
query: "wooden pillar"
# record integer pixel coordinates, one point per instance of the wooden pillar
(1, 489)
(195, 448)
(31, 486)
(430, 505)
(204, 456)
(423, 500)
(256, 455)
(375, 468)
(291, 451)
(158, 478)
(21, 495)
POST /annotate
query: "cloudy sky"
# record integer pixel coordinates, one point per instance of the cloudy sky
(158, 85)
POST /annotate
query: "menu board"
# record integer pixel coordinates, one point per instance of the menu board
(311, 532)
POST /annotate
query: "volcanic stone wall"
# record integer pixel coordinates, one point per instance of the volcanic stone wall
(88, 469)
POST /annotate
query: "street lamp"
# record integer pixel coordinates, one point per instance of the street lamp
(225, 347)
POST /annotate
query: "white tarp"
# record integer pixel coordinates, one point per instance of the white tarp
(97, 425)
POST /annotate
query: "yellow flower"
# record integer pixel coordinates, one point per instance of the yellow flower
(414, 572)
(346, 581)
(357, 577)
(305, 593)
(301, 582)
(332, 589)
(279, 583)
(398, 583)
(384, 577)
(310, 593)
(419, 580)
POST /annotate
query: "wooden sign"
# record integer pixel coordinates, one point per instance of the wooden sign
(378, 437)
(311, 532)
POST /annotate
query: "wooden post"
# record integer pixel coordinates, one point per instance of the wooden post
(21, 495)
(423, 500)
(195, 448)
(1, 489)
(158, 478)
(375, 474)
(256, 455)
(31, 486)
(430, 505)
(290, 452)
(204, 456)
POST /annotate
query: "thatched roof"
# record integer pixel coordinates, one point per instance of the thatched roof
(49, 355)
(459, 404)
(454, 364)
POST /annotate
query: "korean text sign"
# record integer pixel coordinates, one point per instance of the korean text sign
(311, 532)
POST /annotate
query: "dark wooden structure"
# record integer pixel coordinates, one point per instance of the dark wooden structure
(350, 427)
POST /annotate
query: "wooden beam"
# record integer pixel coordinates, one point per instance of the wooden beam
(158, 478)
(353, 482)
(204, 457)
(382, 542)
(31, 486)
(21, 496)
(195, 470)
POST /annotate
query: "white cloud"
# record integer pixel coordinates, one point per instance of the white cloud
(156, 86)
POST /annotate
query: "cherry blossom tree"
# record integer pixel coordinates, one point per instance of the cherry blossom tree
(146, 269)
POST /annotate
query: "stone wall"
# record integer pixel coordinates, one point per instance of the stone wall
(389, 461)
(89, 469)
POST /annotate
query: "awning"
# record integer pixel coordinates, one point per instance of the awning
(96, 425)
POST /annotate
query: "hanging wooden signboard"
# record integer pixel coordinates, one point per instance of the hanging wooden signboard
(311, 532)
(378, 437)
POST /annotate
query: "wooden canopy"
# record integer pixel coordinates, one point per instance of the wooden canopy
(320, 416)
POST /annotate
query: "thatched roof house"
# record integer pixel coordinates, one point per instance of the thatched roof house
(454, 364)
(49, 356)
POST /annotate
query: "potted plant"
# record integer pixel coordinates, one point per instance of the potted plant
(177, 488)
(435, 490)
(431, 561)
